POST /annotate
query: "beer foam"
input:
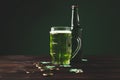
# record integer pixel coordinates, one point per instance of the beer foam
(58, 31)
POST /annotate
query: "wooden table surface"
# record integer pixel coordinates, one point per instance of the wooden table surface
(22, 67)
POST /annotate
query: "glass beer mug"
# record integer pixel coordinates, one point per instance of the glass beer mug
(61, 45)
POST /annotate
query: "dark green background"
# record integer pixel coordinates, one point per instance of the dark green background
(25, 25)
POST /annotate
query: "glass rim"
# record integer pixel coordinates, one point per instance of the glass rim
(61, 28)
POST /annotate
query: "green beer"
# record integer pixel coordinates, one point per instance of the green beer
(60, 47)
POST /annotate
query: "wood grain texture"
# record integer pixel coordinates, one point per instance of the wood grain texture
(20, 67)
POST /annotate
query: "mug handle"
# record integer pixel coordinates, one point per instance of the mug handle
(78, 47)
